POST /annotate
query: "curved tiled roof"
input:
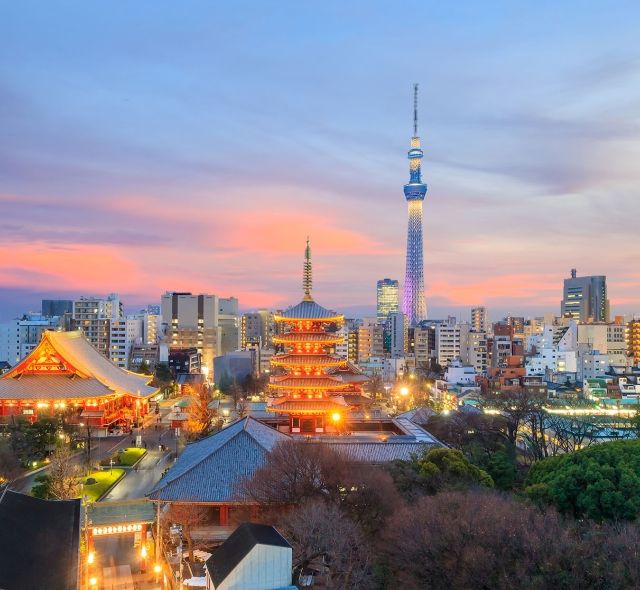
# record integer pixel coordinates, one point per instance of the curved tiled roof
(30, 387)
(90, 365)
(300, 382)
(312, 406)
(307, 360)
(318, 337)
(308, 310)
(210, 470)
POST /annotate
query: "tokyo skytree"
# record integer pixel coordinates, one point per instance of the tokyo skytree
(414, 305)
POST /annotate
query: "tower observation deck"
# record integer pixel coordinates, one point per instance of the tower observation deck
(413, 301)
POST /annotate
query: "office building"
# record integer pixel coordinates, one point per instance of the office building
(398, 329)
(56, 307)
(387, 293)
(93, 316)
(585, 298)
(192, 322)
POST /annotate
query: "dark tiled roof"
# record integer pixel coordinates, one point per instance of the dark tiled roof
(308, 310)
(210, 469)
(39, 543)
(376, 452)
(231, 553)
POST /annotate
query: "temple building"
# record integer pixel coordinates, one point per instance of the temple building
(65, 375)
(308, 378)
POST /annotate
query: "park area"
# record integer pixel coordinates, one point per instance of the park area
(125, 457)
(97, 483)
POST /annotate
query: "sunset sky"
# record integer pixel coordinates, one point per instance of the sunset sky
(159, 145)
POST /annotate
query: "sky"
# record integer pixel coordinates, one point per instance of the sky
(192, 146)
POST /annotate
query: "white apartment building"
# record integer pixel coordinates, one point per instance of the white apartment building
(474, 352)
(450, 339)
(20, 336)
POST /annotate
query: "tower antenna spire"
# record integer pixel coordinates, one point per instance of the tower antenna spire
(307, 275)
(415, 110)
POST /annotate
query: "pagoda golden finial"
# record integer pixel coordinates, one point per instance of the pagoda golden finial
(307, 276)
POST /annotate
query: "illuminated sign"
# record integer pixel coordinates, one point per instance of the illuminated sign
(116, 529)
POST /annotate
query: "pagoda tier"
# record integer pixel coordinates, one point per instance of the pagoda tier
(319, 338)
(307, 362)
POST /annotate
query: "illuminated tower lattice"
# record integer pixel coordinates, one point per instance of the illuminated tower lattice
(413, 302)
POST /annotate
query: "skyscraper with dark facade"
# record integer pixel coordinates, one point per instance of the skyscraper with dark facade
(585, 298)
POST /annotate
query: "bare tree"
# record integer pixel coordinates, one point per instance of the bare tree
(63, 481)
(295, 472)
(189, 516)
(324, 539)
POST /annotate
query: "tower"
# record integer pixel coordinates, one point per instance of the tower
(413, 302)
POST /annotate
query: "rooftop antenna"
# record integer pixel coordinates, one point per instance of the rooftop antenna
(415, 110)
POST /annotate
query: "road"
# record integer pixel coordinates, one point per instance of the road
(136, 483)
(101, 448)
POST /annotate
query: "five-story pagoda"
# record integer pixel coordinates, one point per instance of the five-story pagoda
(306, 391)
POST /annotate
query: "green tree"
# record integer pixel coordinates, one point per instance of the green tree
(601, 482)
(144, 368)
(436, 470)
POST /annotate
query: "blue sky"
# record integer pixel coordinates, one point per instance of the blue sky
(156, 146)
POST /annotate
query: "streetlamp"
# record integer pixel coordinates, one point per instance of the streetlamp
(157, 568)
(110, 466)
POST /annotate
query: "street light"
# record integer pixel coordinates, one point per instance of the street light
(93, 582)
(157, 568)
(404, 391)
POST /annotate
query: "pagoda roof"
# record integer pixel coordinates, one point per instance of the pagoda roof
(349, 373)
(294, 337)
(290, 405)
(311, 382)
(323, 360)
(66, 361)
(308, 310)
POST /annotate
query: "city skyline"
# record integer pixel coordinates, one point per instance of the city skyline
(127, 162)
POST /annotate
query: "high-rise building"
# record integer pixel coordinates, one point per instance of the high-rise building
(56, 307)
(256, 328)
(413, 301)
(387, 299)
(93, 315)
(585, 298)
(192, 322)
(450, 339)
(479, 319)
(399, 332)
(633, 341)
(229, 323)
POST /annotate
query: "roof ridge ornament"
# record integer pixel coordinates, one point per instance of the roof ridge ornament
(307, 273)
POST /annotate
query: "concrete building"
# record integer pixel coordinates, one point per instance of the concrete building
(229, 324)
(633, 341)
(93, 315)
(256, 327)
(398, 328)
(458, 373)
(20, 336)
(387, 299)
(421, 345)
(192, 322)
(474, 351)
(370, 341)
(450, 338)
(56, 307)
(480, 319)
(585, 298)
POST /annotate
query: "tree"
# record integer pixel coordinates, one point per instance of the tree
(295, 472)
(9, 464)
(202, 418)
(601, 482)
(481, 540)
(144, 368)
(32, 441)
(62, 479)
(323, 538)
(189, 516)
(438, 469)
